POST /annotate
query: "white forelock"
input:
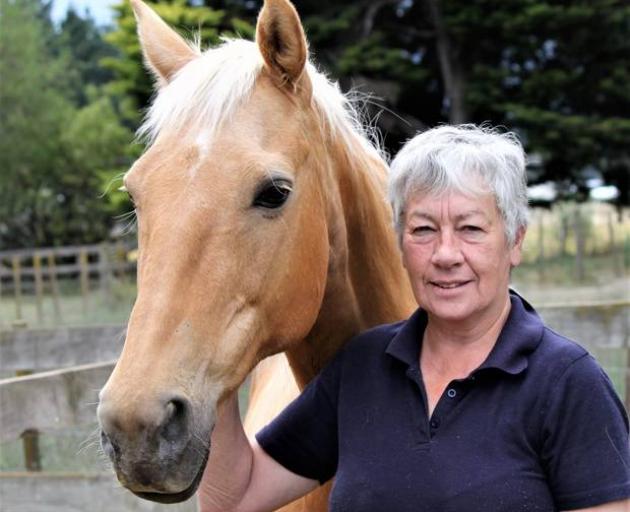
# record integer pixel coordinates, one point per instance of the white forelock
(210, 88)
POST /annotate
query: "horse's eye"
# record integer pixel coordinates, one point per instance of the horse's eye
(272, 194)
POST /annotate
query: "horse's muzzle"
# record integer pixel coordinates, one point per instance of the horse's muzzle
(153, 448)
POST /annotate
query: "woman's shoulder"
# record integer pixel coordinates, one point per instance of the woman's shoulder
(562, 358)
(559, 348)
(374, 339)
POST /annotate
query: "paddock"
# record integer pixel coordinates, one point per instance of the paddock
(69, 365)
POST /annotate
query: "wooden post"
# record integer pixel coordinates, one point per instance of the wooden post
(30, 445)
(1, 276)
(121, 255)
(564, 231)
(84, 278)
(54, 285)
(17, 286)
(30, 440)
(541, 246)
(39, 287)
(579, 244)
(105, 273)
(616, 253)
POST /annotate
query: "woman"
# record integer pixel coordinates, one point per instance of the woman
(472, 404)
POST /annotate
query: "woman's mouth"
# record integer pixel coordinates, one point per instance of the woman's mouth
(449, 285)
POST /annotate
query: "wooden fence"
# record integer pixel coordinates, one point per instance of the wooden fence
(41, 273)
(576, 232)
(49, 402)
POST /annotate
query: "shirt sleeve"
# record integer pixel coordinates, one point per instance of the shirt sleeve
(585, 449)
(303, 437)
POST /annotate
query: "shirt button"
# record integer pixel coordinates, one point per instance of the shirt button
(451, 393)
(435, 423)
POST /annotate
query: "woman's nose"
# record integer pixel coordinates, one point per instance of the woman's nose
(447, 251)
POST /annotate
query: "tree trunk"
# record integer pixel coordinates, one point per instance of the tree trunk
(450, 65)
(371, 11)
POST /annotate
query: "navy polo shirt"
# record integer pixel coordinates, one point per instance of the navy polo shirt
(537, 427)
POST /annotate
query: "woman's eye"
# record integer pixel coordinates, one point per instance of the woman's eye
(472, 229)
(272, 195)
(422, 230)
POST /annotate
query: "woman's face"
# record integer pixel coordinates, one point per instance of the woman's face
(457, 256)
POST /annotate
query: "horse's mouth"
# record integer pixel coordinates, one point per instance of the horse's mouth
(176, 497)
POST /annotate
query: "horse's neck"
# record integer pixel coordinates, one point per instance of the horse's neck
(366, 283)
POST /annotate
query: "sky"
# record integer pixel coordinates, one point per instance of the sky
(99, 9)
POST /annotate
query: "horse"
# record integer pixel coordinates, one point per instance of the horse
(264, 237)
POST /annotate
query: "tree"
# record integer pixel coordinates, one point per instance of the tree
(81, 44)
(52, 155)
(31, 112)
(553, 70)
(132, 81)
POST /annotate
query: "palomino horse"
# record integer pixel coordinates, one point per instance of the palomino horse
(263, 228)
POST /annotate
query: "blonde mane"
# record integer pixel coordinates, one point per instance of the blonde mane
(208, 90)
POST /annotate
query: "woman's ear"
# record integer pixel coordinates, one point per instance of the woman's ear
(516, 251)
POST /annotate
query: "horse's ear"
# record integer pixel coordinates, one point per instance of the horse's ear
(281, 40)
(164, 50)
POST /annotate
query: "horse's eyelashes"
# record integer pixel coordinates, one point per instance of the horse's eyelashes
(272, 194)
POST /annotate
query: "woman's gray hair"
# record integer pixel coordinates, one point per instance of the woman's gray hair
(467, 159)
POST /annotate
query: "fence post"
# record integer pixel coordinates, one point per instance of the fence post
(54, 285)
(579, 244)
(30, 440)
(105, 272)
(541, 246)
(615, 253)
(1, 275)
(17, 286)
(84, 278)
(39, 286)
(120, 259)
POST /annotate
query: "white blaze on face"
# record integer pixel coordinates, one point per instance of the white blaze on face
(203, 144)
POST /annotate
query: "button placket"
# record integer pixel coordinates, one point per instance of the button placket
(418, 410)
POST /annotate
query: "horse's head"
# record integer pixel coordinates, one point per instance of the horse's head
(233, 241)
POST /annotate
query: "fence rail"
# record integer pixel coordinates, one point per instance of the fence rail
(34, 277)
(75, 492)
(38, 350)
(49, 261)
(49, 401)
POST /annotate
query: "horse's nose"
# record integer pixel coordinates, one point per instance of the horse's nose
(159, 430)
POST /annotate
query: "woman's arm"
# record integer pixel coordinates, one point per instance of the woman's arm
(240, 476)
(615, 506)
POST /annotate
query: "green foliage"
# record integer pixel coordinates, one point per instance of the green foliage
(554, 70)
(82, 47)
(131, 79)
(53, 153)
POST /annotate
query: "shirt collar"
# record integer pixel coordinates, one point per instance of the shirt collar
(519, 337)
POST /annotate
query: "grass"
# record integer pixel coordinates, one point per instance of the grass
(100, 306)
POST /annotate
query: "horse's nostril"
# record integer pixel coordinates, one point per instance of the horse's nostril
(110, 448)
(175, 422)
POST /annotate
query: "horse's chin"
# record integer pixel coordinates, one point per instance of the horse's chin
(175, 497)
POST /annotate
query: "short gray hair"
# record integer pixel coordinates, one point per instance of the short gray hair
(449, 158)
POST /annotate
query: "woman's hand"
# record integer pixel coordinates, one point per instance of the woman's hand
(240, 476)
